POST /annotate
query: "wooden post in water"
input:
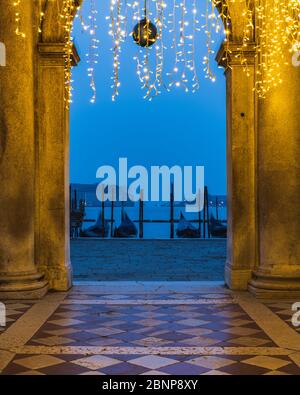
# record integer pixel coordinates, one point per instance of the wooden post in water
(207, 211)
(70, 210)
(217, 208)
(204, 215)
(70, 196)
(122, 211)
(103, 215)
(172, 212)
(199, 223)
(141, 215)
(75, 199)
(112, 213)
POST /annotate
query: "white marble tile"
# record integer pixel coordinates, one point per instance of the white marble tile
(96, 362)
(211, 362)
(152, 361)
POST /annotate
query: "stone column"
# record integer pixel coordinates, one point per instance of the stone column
(18, 274)
(278, 274)
(52, 227)
(241, 136)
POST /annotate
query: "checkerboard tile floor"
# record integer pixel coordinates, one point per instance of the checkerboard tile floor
(151, 334)
(147, 325)
(151, 365)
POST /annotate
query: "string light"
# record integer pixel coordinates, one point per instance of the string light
(66, 15)
(41, 16)
(273, 24)
(118, 34)
(92, 55)
(154, 88)
(17, 4)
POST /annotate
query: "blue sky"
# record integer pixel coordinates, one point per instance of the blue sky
(176, 128)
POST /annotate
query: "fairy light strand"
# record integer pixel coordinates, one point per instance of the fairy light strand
(18, 31)
(67, 14)
(273, 24)
(92, 55)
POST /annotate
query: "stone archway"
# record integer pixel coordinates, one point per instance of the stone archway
(263, 253)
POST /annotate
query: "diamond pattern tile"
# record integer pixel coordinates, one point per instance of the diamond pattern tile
(211, 362)
(96, 362)
(188, 325)
(267, 362)
(150, 333)
(152, 361)
(39, 361)
(66, 322)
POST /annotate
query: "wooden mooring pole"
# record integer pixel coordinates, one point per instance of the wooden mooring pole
(172, 212)
(112, 212)
(112, 219)
(199, 223)
(75, 199)
(207, 210)
(103, 215)
(204, 216)
(141, 215)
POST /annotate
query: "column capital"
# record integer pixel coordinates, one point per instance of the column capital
(230, 55)
(55, 53)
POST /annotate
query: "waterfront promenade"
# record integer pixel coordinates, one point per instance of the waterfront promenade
(148, 260)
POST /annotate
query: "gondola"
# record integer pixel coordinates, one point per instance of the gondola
(126, 229)
(97, 229)
(185, 229)
(217, 228)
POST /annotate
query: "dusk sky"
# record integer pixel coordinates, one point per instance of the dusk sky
(176, 128)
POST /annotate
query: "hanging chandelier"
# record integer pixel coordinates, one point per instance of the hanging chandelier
(173, 27)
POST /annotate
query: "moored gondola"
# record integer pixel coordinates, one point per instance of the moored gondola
(97, 229)
(127, 228)
(186, 229)
(217, 228)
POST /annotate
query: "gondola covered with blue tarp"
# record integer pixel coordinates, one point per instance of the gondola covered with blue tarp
(96, 230)
(217, 228)
(186, 229)
(127, 228)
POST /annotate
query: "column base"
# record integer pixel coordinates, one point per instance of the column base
(22, 286)
(237, 279)
(267, 286)
(60, 278)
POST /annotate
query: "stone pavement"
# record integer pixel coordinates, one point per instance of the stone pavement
(155, 260)
(152, 328)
